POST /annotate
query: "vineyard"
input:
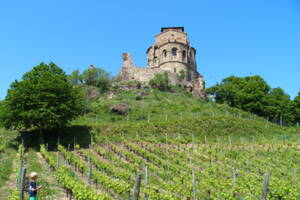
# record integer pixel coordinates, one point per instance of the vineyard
(169, 147)
(197, 170)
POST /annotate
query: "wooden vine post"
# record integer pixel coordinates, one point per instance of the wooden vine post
(295, 176)
(146, 180)
(233, 178)
(194, 185)
(90, 171)
(137, 187)
(265, 186)
(20, 170)
(22, 181)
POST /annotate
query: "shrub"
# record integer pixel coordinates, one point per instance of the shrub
(160, 82)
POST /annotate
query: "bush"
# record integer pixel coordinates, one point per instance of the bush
(160, 82)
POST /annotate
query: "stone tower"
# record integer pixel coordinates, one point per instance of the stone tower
(172, 52)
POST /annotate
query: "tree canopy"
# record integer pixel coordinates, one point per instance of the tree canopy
(297, 107)
(43, 99)
(93, 76)
(278, 106)
(245, 93)
(253, 94)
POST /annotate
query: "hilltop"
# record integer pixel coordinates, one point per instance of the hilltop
(152, 114)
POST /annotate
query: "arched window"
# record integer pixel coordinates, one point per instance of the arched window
(183, 55)
(165, 53)
(155, 60)
(174, 51)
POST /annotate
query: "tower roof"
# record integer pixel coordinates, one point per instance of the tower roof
(178, 28)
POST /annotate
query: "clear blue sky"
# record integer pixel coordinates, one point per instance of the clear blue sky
(232, 37)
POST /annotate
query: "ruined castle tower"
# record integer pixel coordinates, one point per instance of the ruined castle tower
(172, 52)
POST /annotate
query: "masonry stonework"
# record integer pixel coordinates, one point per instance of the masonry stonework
(170, 53)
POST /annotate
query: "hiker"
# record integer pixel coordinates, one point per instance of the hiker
(33, 188)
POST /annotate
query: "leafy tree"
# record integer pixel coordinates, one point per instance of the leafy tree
(2, 109)
(160, 82)
(279, 106)
(43, 99)
(92, 75)
(96, 77)
(247, 93)
(254, 95)
(74, 78)
(297, 108)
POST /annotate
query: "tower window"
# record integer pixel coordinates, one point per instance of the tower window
(155, 60)
(174, 51)
(165, 53)
(183, 55)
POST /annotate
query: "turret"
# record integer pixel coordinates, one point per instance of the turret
(172, 52)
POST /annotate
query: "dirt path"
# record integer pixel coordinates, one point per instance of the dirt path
(98, 188)
(60, 194)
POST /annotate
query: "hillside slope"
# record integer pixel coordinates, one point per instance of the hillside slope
(182, 148)
(155, 115)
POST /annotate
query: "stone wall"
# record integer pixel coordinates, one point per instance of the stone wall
(162, 58)
(138, 74)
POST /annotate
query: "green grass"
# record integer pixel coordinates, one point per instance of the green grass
(157, 105)
(34, 165)
(175, 115)
(159, 115)
(7, 139)
(6, 160)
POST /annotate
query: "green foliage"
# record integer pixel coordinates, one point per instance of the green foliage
(7, 139)
(181, 75)
(160, 82)
(204, 84)
(297, 108)
(208, 126)
(42, 99)
(245, 93)
(158, 105)
(254, 95)
(279, 106)
(68, 180)
(96, 77)
(6, 160)
(34, 165)
(74, 78)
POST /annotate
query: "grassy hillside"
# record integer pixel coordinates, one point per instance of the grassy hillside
(159, 116)
(177, 116)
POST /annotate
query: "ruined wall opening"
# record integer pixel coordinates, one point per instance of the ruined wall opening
(165, 53)
(183, 55)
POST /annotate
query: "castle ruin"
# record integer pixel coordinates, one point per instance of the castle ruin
(170, 53)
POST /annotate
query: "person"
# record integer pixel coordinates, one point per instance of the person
(33, 188)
